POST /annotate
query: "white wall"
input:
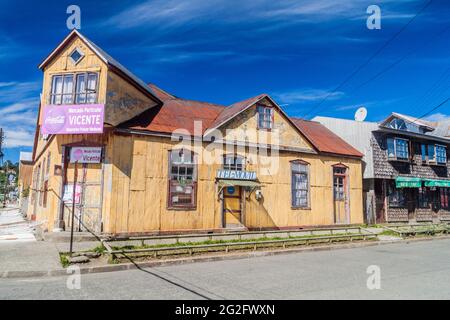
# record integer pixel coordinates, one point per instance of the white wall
(358, 134)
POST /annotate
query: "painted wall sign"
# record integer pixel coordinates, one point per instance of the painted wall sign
(73, 119)
(234, 174)
(68, 193)
(86, 154)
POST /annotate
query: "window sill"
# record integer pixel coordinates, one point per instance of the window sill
(437, 164)
(300, 208)
(399, 160)
(182, 208)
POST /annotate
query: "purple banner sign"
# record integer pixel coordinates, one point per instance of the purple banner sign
(73, 119)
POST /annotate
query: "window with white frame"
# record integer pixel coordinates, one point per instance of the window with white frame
(233, 162)
(182, 179)
(397, 149)
(265, 117)
(80, 88)
(300, 184)
(441, 154)
(434, 153)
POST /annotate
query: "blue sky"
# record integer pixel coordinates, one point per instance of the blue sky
(224, 51)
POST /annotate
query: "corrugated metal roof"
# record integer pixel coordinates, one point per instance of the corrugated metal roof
(324, 139)
(176, 113)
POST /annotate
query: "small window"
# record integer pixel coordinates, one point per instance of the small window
(423, 150)
(265, 117)
(396, 197)
(233, 162)
(86, 92)
(444, 194)
(48, 164)
(434, 153)
(182, 179)
(300, 184)
(424, 198)
(441, 154)
(431, 153)
(76, 56)
(62, 89)
(397, 124)
(397, 149)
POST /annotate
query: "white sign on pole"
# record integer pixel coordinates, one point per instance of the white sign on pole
(86, 154)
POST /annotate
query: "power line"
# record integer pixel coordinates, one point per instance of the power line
(398, 61)
(370, 59)
(433, 109)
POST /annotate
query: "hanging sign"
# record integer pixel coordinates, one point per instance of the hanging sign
(73, 119)
(86, 154)
(236, 174)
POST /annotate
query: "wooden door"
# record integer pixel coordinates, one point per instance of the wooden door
(88, 205)
(232, 207)
(340, 195)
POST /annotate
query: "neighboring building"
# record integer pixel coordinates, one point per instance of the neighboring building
(173, 165)
(24, 178)
(407, 171)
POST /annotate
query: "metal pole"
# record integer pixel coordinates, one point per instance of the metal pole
(6, 185)
(75, 174)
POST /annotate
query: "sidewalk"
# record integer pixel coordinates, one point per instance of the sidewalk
(19, 250)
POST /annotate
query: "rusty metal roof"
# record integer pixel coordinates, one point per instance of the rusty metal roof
(234, 109)
(324, 139)
(176, 114)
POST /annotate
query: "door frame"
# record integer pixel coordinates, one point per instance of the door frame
(346, 187)
(241, 205)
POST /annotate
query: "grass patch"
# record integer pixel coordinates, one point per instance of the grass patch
(63, 258)
(225, 242)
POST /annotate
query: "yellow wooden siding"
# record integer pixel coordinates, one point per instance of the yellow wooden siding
(244, 128)
(139, 207)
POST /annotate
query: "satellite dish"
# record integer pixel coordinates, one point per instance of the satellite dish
(361, 114)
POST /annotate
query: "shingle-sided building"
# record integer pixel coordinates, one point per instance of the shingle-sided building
(406, 166)
(165, 164)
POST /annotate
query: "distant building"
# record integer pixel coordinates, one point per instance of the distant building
(24, 178)
(406, 166)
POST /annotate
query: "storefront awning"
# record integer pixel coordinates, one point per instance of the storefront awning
(437, 183)
(240, 183)
(408, 182)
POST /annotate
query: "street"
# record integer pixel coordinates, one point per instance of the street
(418, 270)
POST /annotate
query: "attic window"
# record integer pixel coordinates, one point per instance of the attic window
(76, 56)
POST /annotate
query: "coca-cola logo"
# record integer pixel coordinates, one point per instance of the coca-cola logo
(54, 120)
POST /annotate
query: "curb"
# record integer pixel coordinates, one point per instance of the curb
(232, 256)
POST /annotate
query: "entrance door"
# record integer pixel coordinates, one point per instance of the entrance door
(340, 193)
(411, 200)
(88, 197)
(232, 207)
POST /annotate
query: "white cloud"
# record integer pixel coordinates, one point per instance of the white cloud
(15, 137)
(171, 13)
(19, 102)
(306, 95)
(437, 117)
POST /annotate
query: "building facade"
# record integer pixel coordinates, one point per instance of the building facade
(163, 164)
(406, 177)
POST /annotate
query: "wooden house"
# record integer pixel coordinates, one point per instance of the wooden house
(171, 165)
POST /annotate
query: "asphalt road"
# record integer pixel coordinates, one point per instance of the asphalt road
(419, 270)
